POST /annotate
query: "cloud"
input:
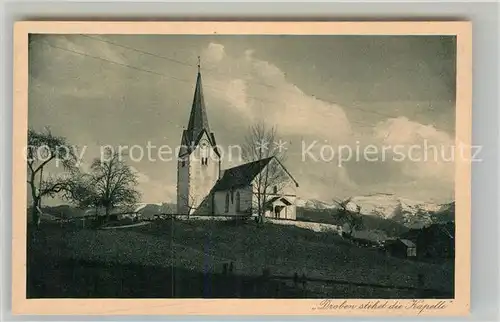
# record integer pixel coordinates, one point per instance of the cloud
(429, 151)
(214, 53)
(141, 177)
(257, 89)
(153, 190)
(401, 130)
(232, 91)
(78, 60)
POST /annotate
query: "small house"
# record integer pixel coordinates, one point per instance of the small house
(401, 248)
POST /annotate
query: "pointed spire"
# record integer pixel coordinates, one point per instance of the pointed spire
(198, 120)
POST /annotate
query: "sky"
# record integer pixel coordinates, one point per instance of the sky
(321, 93)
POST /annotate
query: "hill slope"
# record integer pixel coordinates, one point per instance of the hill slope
(204, 246)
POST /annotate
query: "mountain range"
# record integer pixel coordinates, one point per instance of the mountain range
(388, 207)
(386, 212)
(314, 204)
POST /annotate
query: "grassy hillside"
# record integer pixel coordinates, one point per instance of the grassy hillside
(204, 246)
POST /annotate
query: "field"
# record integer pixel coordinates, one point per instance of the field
(187, 259)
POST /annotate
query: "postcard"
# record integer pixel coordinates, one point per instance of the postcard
(242, 168)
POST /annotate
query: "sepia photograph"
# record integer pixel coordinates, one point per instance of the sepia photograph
(243, 166)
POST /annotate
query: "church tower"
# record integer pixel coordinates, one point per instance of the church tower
(198, 165)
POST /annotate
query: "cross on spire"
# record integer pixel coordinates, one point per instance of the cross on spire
(199, 63)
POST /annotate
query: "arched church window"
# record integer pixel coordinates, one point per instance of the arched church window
(226, 209)
(204, 152)
(183, 163)
(232, 196)
(238, 201)
(275, 190)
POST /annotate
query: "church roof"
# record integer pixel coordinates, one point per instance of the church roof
(198, 120)
(241, 175)
(276, 198)
(198, 123)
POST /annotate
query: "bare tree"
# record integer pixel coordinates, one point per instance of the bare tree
(191, 201)
(113, 183)
(44, 148)
(349, 216)
(82, 192)
(260, 143)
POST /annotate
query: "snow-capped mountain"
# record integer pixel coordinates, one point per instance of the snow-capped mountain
(314, 204)
(148, 210)
(411, 213)
(446, 213)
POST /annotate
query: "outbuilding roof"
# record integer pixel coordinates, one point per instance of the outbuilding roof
(407, 242)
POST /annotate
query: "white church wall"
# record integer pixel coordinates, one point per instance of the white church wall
(202, 177)
(289, 188)
(196, 182)
(286, 188)
(182, 186)
(289, 212)
(245, 202)
(219, 203)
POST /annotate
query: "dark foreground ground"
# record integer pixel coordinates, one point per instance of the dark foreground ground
(84, 279)
(191, 260)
